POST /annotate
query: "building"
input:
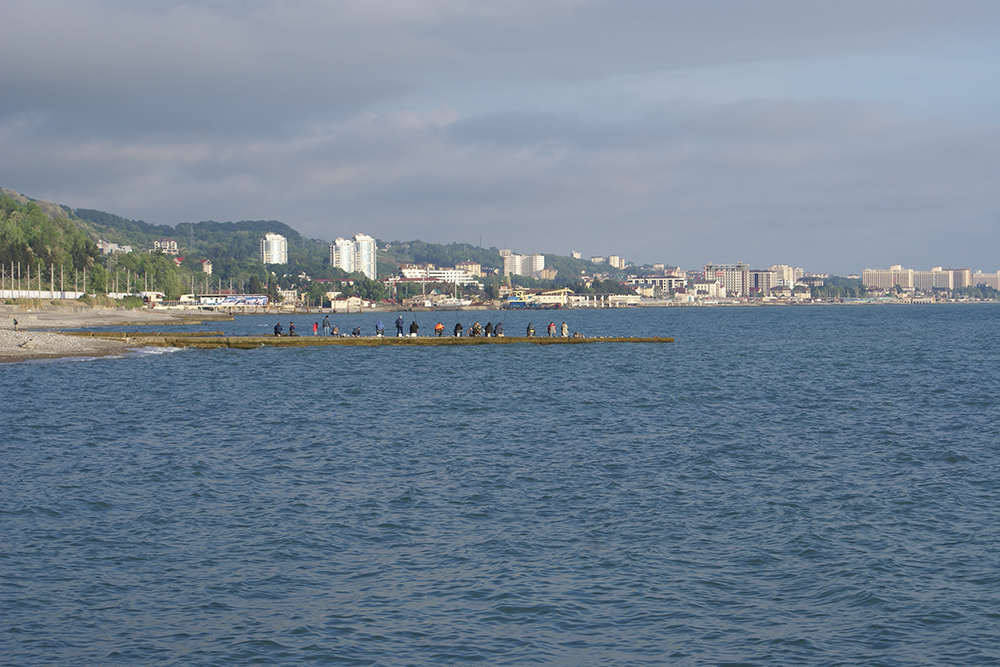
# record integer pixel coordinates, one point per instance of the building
(206, 266)
(108, 248)
(662, 285)
(787, 275)
(470, 267)
(523, 265)
(762, 283)
(166, 246)
(921, 281)
(274, 249)
(887, 279)
(735, 278)
(986, 279)
(355, 255)
(574, 254)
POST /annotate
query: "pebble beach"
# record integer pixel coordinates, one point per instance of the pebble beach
(38, 334)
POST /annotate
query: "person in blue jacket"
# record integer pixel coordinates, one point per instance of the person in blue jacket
(379, 329)
(399, 325)
(278, 329)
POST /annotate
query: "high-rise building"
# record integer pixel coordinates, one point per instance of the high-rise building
(734, 277)
(523, 265)
(354, 255)
(274, 249)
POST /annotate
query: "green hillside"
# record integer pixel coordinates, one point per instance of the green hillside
(42, 234)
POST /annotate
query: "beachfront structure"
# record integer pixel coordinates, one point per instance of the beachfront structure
(787, 275)
(662, 284)
(986, 279)
(735, 278)
(274, 249)
(922, 281)
(523, 265)
(354, 255)
(428, 273)
(765, 283)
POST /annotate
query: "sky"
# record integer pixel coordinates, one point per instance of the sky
(833, 136)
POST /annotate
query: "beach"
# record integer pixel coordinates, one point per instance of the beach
(38, 334)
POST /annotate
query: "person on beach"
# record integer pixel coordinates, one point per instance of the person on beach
(439, 329)
(15, 325)
(326, 325)
(277, 329)
(413, 329)
(458, 329)
(552, 329)
(565, 330)
(399, 326)
(498, 330)
(379, 329)
(315, 328)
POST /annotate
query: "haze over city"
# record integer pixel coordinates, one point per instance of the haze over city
(832, 136)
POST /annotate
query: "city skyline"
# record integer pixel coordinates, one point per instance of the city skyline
(830, 134)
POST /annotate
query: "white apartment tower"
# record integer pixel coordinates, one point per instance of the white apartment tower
(274, 249)
(356, 254)
(523, 265)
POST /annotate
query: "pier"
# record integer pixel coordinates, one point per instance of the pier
(216, 339)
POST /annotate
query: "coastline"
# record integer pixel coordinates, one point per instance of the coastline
(38, 337)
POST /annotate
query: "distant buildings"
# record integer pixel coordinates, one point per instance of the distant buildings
(428, 273)
(986, 279)
(921, 281)
(354, 255)
(107, 248)
(522, 265)
(274, 249)
(735, 278)
(166, 246)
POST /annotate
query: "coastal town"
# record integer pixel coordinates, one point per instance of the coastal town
(514, 281)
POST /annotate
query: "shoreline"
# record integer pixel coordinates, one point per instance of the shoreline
(38, 335)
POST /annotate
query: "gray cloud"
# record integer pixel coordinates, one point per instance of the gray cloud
(829, 135)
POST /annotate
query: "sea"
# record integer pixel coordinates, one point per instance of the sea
(814, 485)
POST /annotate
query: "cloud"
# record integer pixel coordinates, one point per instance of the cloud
(832, 135)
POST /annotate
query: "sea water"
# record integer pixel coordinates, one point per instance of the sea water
(780, 486)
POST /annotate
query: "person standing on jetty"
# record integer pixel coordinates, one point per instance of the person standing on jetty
(438, 329)
(399, 326)
(291, 328)
(565, 330)
(552, 329)
(315, 328)
(326, 325)
(458, 329)
(277, 329)
(379, 329)
(413, 329)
